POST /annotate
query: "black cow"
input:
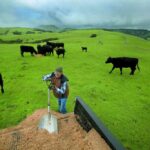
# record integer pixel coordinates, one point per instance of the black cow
(93, 35)
(55, 45)
(1, 83)
(40, 50)
(59, 45)
(45, 49)
(60, 51)
(29, 49)
(84, 49)
(123, 62)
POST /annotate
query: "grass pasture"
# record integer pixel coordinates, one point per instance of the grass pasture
(121, 102)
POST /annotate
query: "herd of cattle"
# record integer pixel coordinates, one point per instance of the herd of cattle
(48, 48)
(118, 62)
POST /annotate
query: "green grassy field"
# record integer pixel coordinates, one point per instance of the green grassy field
(121, 102)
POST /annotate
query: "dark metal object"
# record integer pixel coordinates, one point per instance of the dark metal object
(88, 120)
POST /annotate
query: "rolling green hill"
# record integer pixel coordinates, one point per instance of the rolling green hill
(145, 34)
(122, 102)
(49, 28)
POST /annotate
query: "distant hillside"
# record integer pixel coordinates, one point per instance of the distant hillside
(25, 35)
(49, 28)
(145, 34)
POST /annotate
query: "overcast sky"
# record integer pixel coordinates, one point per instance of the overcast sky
(103, 13)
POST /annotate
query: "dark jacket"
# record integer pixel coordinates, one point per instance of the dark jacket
(62, 88)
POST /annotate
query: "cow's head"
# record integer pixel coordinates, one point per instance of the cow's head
(109, 60)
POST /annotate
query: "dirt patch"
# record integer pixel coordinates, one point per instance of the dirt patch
(71, 136)
(38, 55)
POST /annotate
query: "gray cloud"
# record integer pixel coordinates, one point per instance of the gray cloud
(104, 13)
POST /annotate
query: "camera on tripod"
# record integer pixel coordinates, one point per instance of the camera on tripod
(49, 83)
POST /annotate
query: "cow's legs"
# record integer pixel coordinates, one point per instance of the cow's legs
(121, 70)
(132, 70)
(22, 54)
(2, 89)
(31, 53)
(112, 69)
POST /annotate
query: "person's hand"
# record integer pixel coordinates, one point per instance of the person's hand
(46, 78)
(57, 89)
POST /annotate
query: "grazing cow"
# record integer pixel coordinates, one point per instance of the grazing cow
(55, 45)
(1, 83)
(60, 51)
(40, 50)
(123, 62)
(29, 49)
(45, 49)
(93, 35)
(49, 49)
(84, 49)
(59, 45)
